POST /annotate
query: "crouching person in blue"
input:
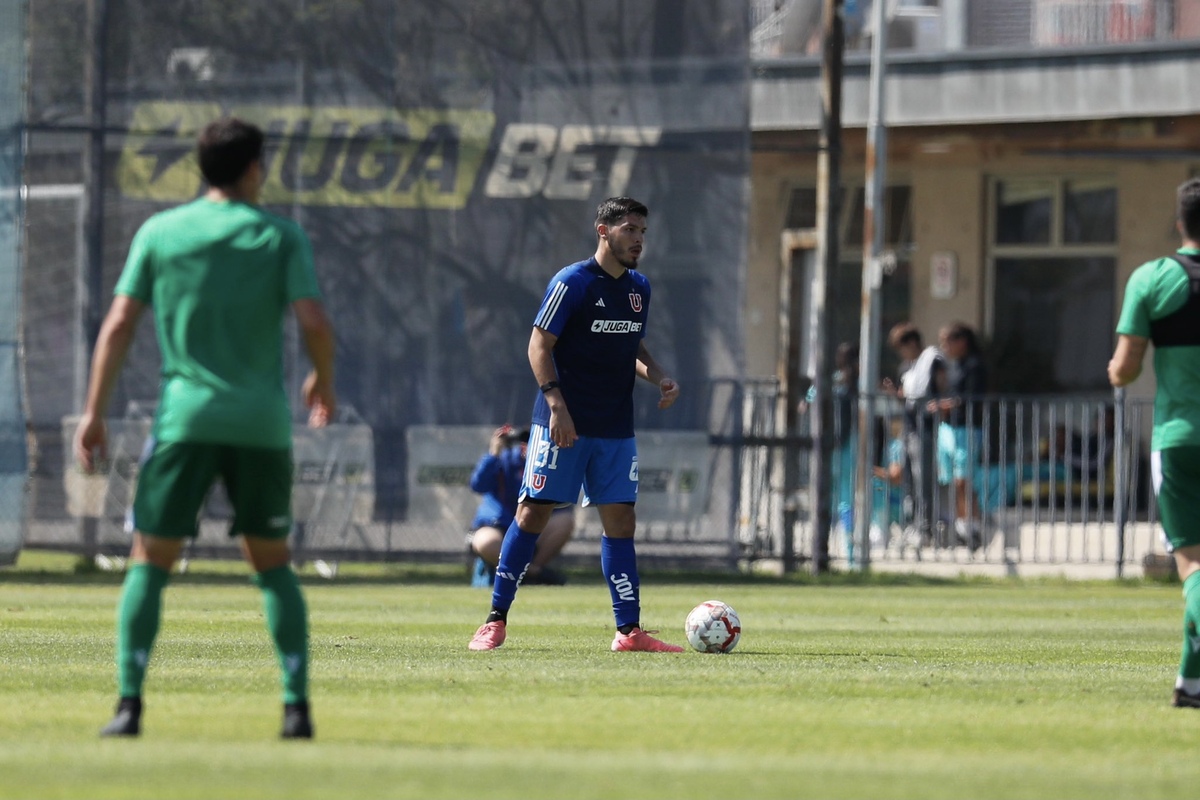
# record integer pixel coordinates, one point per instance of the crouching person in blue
(497, 477)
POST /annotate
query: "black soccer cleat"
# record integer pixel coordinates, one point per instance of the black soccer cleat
(1182, 699)
(546, 576)
(128, 719)
(296, 722)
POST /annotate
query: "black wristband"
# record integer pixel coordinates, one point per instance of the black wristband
(545, 387)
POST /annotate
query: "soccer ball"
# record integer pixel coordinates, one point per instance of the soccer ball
(713, 627)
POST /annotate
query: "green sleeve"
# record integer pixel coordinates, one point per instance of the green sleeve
(1135, 311)
(1155, 290)
(301, 275)
(137, 279)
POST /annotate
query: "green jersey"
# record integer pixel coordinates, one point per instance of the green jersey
(1155, 290)
(220, 277)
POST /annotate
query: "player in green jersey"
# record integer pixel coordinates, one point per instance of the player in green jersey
(220, 273)
(1162, 306)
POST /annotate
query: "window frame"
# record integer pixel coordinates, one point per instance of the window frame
(1055, 248)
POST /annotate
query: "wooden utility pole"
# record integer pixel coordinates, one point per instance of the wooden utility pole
(870, 336)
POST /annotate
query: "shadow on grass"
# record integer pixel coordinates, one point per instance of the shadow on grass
(51, 567)
(46, 568)
(81, 571)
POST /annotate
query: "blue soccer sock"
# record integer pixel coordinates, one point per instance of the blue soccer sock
(515, 555)
(618, 559)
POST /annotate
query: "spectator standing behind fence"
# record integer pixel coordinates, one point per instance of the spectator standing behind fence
(845, 438)
(922, 377)
(1162, 305)
(960, 433)
(497, 476)
(220, 273)
(887, 485)
(586, 351)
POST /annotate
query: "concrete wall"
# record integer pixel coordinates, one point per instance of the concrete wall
(772, 179)
(948, 215)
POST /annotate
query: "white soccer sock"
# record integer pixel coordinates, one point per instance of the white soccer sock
(1189, 685)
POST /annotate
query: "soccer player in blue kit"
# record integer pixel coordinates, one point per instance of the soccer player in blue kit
(586, 349)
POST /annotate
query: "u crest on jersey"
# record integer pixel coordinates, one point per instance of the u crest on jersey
(635, 300)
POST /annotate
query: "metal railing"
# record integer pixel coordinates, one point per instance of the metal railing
(1057, 483)
(787, 27)
(1020, 481)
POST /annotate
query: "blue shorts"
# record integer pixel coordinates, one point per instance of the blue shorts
(960, 450)
(605, 469)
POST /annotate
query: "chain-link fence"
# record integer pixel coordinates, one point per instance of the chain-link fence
(445, 158)
(12, 416)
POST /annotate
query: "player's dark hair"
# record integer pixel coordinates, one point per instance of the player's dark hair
(1187, 208)
(846, 356)
(517, 436)
(962, 332)
(615, 209)
(226, 149)
(903, 333)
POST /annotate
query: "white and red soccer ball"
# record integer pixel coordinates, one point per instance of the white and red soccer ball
(713, 627)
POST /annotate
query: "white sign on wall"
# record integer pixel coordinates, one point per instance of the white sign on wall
(943, 275)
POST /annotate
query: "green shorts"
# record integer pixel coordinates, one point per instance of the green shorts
(174, 479)
(1176, 474)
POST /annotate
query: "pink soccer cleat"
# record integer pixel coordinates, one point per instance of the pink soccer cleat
(489, 636)
(641, 641)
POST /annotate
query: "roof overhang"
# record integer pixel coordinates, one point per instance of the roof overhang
(993, 86)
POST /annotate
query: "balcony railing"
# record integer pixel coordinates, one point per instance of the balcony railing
(1077, 22)
(792, 27)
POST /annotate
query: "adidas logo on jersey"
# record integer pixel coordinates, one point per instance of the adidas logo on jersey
(600, 303)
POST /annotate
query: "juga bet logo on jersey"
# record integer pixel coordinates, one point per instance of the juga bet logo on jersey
(616, 326)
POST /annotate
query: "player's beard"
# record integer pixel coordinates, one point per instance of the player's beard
(626, 259)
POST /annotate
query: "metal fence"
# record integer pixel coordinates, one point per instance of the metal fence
(790, 27)
(1051, 484)
(1048, 484)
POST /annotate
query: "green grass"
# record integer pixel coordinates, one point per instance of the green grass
(879, 687)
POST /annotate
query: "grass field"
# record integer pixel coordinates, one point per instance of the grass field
(879, 687)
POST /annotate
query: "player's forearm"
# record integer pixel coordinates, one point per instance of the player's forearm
(1123, 375)
(541, 362)
(316, 331)
(320, 346)
(541, 358)
(112, 345)
(1126, 363)
(647, 368)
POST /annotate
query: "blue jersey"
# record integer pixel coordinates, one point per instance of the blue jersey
(599, 321)
(498, 479)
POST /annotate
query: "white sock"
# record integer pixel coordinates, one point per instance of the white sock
(1189, 685)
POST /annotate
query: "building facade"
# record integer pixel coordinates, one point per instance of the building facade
(1033, 149)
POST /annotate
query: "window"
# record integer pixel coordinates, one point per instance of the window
(1053, 267)
(1023, 211)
